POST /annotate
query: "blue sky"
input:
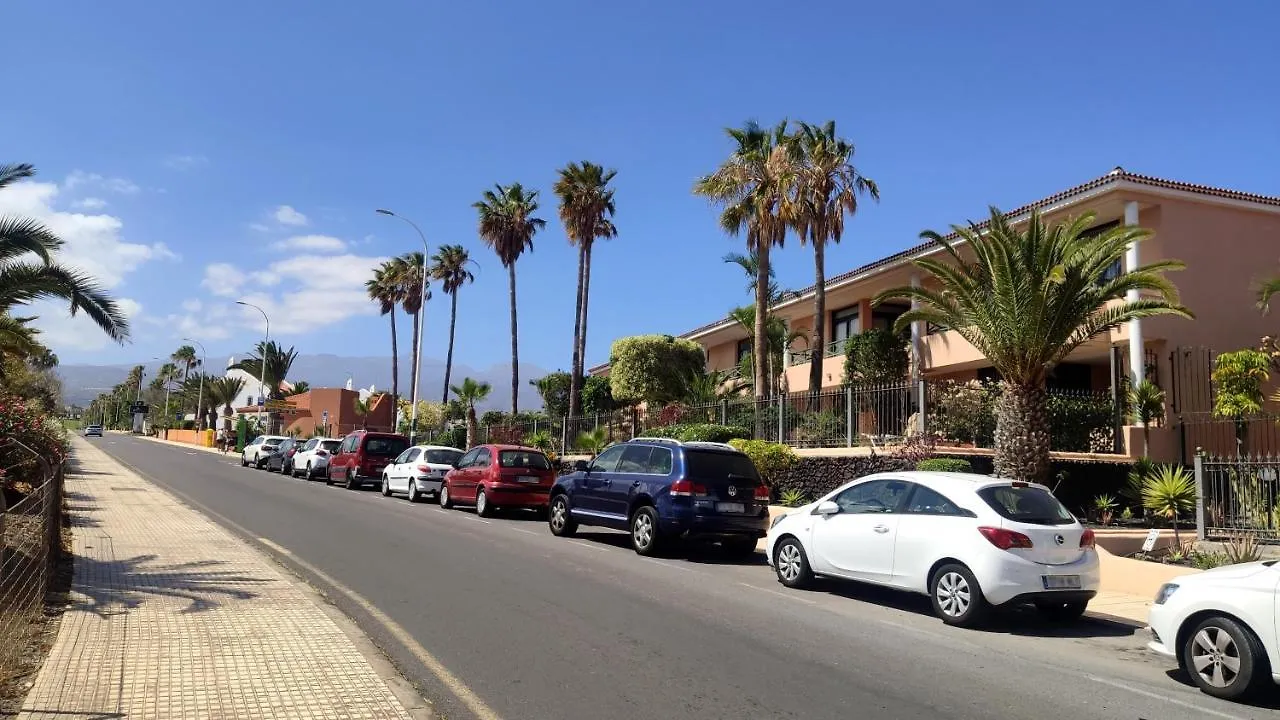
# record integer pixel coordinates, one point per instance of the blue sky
(184, 148)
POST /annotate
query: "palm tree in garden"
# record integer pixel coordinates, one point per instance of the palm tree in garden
(750, 264)
(384, 290)
(450, 265)
(300, 387)
(407, 272)
(753, 187)
(1028, 298)
(223, 392)
(28, 271)
(827, 189)
(278, 362)
(186, 359)
(586, 211)
(778, 337)
(508, 225)
(468, 394)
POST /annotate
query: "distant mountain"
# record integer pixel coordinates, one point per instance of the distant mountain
(82, 383)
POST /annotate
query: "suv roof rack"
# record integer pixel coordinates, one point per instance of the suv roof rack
(709, 445)
(655, 439)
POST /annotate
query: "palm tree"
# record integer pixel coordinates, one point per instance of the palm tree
(1169, 492)
(278, 361)
(753, 187)
(1146, 405)
(468, 394)
(362, 409)
(1267, 289)
(827, 188)
(407, 273)
(778, 337)
(300, 387)
(593, 441)
(1027, 299)
(449, 266)
(185, 358)
(17, 339)
(750, 264)
(508, 225)
(224, 391)
(384, 290)
(586, 211)
(24, 279)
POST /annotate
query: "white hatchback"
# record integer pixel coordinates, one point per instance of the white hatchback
(258, 449)
(969, 542)
(313, 459)
(419, 471)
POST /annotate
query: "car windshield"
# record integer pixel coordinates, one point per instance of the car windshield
(330, 445)
(442, 457)
(523, 459)
(712, 465)
(1026, 504)
(385, 447)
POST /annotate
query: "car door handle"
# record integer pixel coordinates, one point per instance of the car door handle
(606, 482)
(881, 529)
(635, 484)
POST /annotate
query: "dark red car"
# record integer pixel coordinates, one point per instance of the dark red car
(495, 476)
(359, 460)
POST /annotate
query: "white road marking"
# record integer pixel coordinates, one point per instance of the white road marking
(1166, 698)
(588, 546)
(673, 566)
(526, 532)
(789, 596)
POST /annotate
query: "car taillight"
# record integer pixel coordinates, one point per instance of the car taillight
(322, 453)
(423, 468)
(1005, 539)
(687, 488)
(1087, 539)
(762, 493)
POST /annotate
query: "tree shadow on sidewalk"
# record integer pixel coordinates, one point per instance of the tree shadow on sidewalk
(117, 586)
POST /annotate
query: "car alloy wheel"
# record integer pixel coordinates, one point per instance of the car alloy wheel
(483, 508)
(446, 502)
(956, 596)
(386, 487)
(351, 480)
(558, 518)
(645, 537)
(1223, 657)
(413, 496)
(791, 564)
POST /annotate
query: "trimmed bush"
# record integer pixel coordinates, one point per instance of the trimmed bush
(702, 432)
(945, 464)
(770, 459)
(653, 368)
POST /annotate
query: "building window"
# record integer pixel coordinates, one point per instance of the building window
(844, 324)
(744, 348)
(884, 316)
(250, 402)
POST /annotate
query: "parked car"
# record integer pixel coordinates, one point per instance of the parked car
(970, 542)
(281, 460)
(259, 449)
(1220, 626)
(312, 459)
(497, 476)
(361, 457)
(93, 430)
(419, 471)
(661, 490)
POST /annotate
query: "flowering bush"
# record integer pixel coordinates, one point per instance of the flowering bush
(964, 412)
(22, 421)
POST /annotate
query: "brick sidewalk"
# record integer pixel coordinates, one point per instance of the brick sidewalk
(172, 616)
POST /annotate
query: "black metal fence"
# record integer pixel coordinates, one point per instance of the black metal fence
(1238, 495)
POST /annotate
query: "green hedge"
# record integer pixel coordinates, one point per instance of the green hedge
(945, 464)
(702, 432)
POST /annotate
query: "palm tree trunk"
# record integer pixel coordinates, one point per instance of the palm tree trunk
(582, 338)
(471, 427)
(515, 344)
(413, 369)
(575, 372)
(761, 351)
(818, 350)
(395, 367)
(448, 358)
(1022, 433)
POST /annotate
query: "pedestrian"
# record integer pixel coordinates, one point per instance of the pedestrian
(222, 439)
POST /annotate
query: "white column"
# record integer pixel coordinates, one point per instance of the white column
(917, 356)
(1137, 355)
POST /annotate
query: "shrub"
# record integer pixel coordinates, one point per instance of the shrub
(1081, 422)
(453, 437)
(24, 422)
(672, 414)
(792, 498)
(817, 428)
(876, 356)
(493, 417)
(964, 412)
(707, 432)
(945, 464)
(653, 368)
(506, 435)
(770, 459)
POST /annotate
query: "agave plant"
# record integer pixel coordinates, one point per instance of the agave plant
(792, 497)
(543, 441)
(593, 441)
(1169, 492)
(1105, 505)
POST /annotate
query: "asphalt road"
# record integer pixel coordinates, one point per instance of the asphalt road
(543, 627)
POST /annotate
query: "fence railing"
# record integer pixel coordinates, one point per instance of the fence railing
(1238, 495)
(832, 349)
(30, 545)
(1256, 435)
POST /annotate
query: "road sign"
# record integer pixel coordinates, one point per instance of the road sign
(1150, 543)
(279, 405)
(324, 418)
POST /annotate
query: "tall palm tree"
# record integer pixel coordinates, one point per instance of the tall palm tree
(300, 387)
(827, 188)
(468, 394)
(508, 225)
(586, 211)
(17, 339)
(383, 289)
(450, 265)
(28, 271)
(1028, 298)
(753, 186)
(750, 264)
(278, 362)
(224, 391)
(407, 272)
(778, 337)
(185, 358)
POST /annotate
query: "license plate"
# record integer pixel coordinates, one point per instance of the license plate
(1061, 582)
(527, 479)
(730, 507)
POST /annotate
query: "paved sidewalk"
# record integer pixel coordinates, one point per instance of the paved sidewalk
(172, 616)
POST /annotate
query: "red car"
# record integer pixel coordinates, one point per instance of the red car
(494, 476)
(359, 460)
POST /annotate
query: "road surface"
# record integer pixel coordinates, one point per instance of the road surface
(535, 626)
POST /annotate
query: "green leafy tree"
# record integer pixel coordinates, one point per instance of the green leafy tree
(507, 225)
(1170, 492)
(593, 441)
(468, 394)
(876, 356)
(597, 395)
(778, 337)
(185, 358)
(451, 266)
(1146, 406)
(277, 362)
(555, 389)
(653, 368)
(384, 289)
(1029, 296)
(1237, 382)
(407, 273)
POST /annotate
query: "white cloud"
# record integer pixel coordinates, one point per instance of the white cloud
(259, 227)
(79, 178)
(311, 243)
(62, 332)
(286, 215)
(89, 203)
(185, 162)
(223, 279)
(192, 305)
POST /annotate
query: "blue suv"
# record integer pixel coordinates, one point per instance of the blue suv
(661, 490)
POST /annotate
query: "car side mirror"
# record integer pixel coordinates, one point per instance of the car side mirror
(581, 466)
(826, 508)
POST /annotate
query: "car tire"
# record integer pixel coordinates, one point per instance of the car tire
(328, 477)
(244, 462)
(791, 563)
(956, 596)
(483, 508)
(309, 473)
(1061, 612)
(1216, 644)
(646, 536)
(412, 494)
(386, 487)
(351, 480)
(559, 519)
(446, 500)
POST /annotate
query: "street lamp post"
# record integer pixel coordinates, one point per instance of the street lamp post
(262, 357)
(204, 363)
(417, 368)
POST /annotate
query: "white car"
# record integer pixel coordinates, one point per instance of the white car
(258, 449)
(419, 471)
(969, 542)
(312, 460)
(1220, 625)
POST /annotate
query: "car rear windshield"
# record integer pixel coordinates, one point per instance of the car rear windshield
(443, 457)
(523, 459)
(385, 447)
(712, 465)
(331, 445)
(1031, 505)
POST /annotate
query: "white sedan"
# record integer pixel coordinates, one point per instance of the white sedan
(969, 542)
(313, 459)
(419, 471)
(1220, 626)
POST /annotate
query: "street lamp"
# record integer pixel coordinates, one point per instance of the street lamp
(204, 362)
(417, 368)
(262, 357)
